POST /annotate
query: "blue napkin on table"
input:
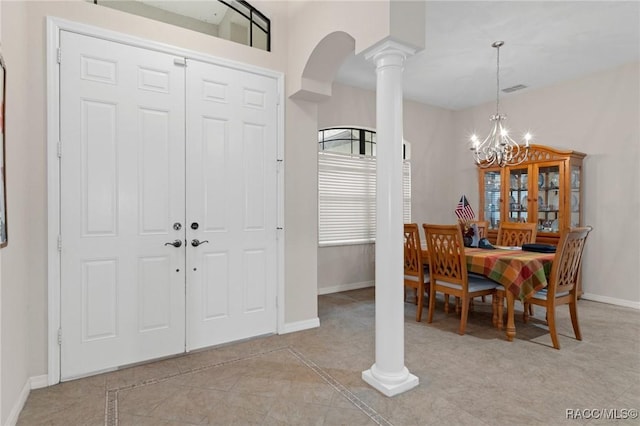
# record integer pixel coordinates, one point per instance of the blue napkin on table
(540, 248)
(485, 244)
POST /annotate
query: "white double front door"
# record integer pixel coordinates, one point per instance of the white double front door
(168, 204)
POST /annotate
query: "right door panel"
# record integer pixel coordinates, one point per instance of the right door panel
(231, 204)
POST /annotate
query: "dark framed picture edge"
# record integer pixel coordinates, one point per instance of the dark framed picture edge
(3, 193)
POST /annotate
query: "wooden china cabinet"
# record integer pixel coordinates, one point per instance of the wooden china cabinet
(545, 189)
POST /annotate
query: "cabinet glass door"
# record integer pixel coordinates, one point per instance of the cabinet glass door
(492, 188)
(518, 195)
(549, 199)
(575, 197)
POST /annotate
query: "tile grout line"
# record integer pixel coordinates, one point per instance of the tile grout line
(342, 390)
(111, 405)
(111, 408)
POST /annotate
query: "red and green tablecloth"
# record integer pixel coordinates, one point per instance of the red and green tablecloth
(521, 272)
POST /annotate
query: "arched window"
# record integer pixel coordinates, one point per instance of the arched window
(346, 140)
(347, 186)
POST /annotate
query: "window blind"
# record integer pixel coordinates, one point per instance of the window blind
(347, 198)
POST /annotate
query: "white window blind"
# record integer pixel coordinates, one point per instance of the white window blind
(347, 198)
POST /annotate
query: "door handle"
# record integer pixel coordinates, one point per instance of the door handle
(196, 242)
(176, 243)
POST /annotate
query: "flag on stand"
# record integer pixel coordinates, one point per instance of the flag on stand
(464, 210)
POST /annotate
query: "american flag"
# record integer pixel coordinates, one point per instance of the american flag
(464, 210)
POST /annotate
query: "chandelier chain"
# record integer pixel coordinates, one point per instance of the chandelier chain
(498, 81)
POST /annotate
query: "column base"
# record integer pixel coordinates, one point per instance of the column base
(394, 385)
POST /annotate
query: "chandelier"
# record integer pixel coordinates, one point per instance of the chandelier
(498, 149)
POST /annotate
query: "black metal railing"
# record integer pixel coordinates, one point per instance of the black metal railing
(253, 15)
(257, 21)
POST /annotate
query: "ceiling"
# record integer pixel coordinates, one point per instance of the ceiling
(544, 43)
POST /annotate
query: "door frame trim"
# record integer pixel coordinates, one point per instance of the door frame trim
(54, 26)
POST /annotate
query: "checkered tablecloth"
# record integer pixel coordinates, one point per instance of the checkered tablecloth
(521, 272)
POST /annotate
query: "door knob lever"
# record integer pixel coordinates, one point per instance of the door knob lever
(196, 242)
(176, 243)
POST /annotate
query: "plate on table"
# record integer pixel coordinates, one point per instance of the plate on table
(508, 247)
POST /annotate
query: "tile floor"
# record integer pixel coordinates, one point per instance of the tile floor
(314, 377)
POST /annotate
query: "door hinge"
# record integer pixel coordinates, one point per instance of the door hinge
(59, 55)
(60, 336)
(180, 62)
(59, 242)
(59, 149)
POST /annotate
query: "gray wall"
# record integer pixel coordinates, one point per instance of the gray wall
(597, 115)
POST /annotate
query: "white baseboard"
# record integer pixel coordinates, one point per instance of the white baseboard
(611, 300)
(12, 419)
(35, 382)
(38, 382)
(292, 327)
(345, 287)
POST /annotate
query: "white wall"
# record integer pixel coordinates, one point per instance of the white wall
(310, 21)
(301, 211)
(17, 265)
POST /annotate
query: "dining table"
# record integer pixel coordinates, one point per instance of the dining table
(522, 273)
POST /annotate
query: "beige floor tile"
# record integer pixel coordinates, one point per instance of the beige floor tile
(313, 377)
(296, 413)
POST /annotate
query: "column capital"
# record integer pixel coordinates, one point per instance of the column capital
(389, 50)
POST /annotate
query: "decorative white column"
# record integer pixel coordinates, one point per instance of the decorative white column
(389, 375)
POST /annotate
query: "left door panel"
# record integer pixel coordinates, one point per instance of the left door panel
(122, 190)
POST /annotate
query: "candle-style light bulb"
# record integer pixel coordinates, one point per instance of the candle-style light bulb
(475, 143)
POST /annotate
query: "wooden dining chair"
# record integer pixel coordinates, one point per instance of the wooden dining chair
(448, 270)
(415, 276)
(563, 282)
(516, 233)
